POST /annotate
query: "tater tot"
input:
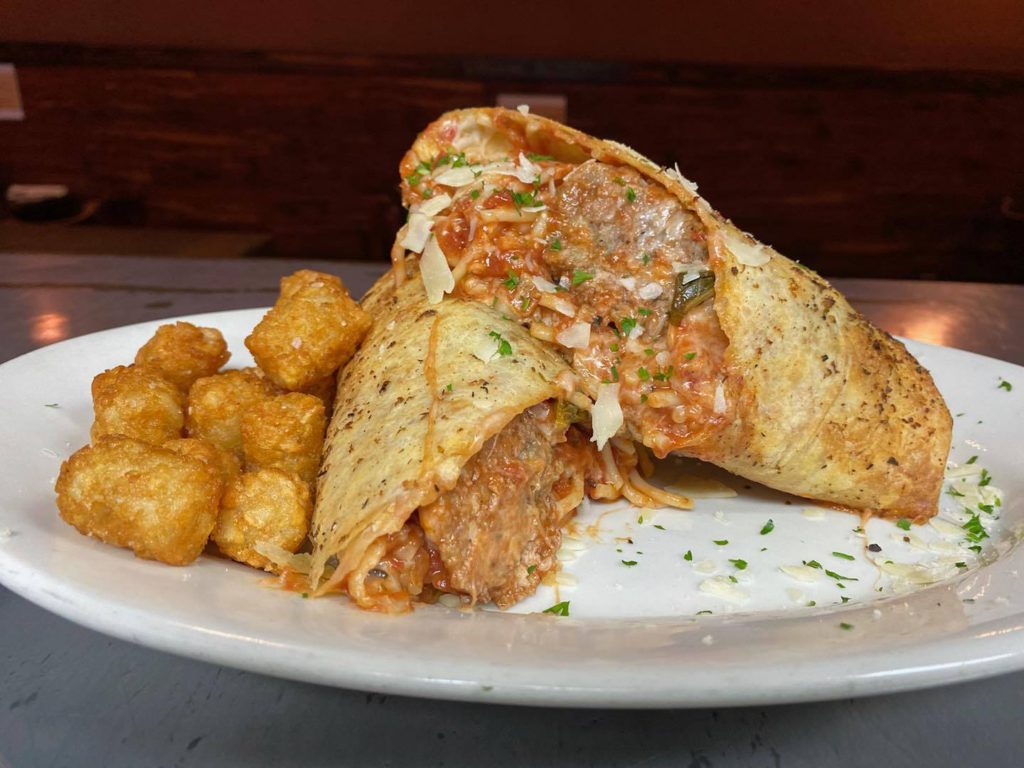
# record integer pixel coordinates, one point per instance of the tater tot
(136, 402)
(312, 329)
(285, 432)
(182, 353)
(324, 389)
(268, 505)
(160, 504)
(216, 405)
(225, 463)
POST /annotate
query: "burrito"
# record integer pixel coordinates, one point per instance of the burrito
(687, 335)
(451, 461)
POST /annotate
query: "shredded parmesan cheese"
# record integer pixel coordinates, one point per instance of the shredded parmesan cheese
(543, 285)
(650, 291)
(437, 275)
(750, 255)
(417, 232)
(576, 336)
(433, 206)
(606, 417)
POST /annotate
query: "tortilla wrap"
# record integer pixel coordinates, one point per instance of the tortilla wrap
(429, 387)
(771, 374)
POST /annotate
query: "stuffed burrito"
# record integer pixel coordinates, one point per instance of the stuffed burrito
(451, 461)
(687, 335)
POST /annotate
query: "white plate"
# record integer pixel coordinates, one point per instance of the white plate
(632, 638)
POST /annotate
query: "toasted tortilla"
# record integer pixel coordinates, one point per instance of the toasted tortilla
(819, 402)
(428, 387)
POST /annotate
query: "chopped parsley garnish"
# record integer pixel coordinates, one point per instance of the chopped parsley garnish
(643, 398)
(631, 197)
(903, 524)
(844, 625)
(559, 609)
(688, 557)
(51, 405)
(525, 303)
(643, 312)
(640, 520)
(975, 530)
(619, 180)
(659, 527)
(811, 603)
(627, 325)
(986, 478)
(971, 460)
(734, 580)
(961, 565)
(615, 373)
(811, 563)
(954, 492)
(646, 258)
(663, 375)
(523, 200)
(845, 599)
(976, 548)
(843, 555)
(987, 508)
(648, 351)
(579, 276)
(504, 348)
(555, 245)
(1004, 384)
(475, 194)
(701, 613)
(643, 373)
(690, 355)
(839, 577)
(629, 563)
(537, 158)
(721, 542)
(741, 565)
(448, 387)
(512, 281)
(531, 568)
(768, 527)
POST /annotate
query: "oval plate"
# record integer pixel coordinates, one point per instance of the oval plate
(645, 628)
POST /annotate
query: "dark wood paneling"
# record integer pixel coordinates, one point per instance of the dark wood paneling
(856, 172)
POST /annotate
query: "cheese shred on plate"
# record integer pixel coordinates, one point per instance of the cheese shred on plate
(606, 416)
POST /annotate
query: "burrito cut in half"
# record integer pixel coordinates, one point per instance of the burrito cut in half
(451, 462)
(688, 335)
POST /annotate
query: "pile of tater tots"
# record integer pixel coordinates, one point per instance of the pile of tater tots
(183, 454)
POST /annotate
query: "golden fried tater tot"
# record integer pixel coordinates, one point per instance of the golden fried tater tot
(312, 329)
(285, 432)
(324, 389)
(268, 505)
(160, 504)
(182, 353)
(216, 405)
(226, 464)
(136, 402)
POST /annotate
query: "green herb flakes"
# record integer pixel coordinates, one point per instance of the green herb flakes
(559, 609)
(688, 557)
(843, 555)
(768, 527)
(903, 524)
(555, 245)
(844, 625)
(643, 373)
(579, 276)
(504, 347)
(971, 460)
(975, 530)
(627, 325)
(1004, 384)
(631, 197)
(629, 563)
(531, 568)
(721, 542)
(741, 565)
(512, 281)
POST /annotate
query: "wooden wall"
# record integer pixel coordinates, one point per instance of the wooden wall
(857, 172)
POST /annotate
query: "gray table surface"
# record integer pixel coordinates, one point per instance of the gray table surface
(72, 697)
